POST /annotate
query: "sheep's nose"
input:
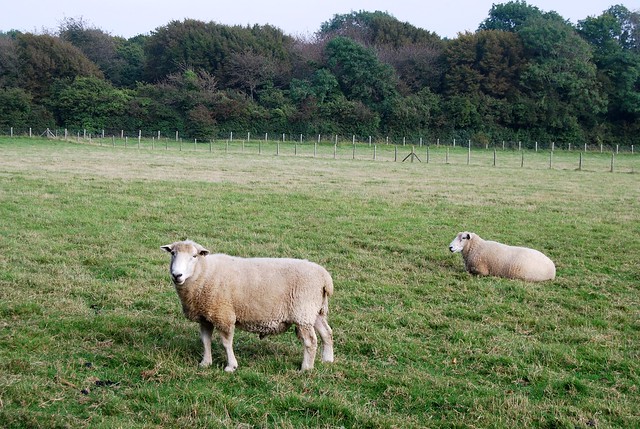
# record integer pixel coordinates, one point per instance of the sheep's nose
(176, 276)
(451, 248)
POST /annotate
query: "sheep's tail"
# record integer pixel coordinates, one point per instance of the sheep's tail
(327, 291)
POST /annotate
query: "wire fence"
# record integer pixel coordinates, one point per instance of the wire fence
(503, 154)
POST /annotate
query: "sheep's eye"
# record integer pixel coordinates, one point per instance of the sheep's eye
(195, 256)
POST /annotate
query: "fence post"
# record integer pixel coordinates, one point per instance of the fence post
(374, 152)
(612, 160)
(550, 159)
(580, 163)
(315, 149)
(494, 156)
(395, 156)
(522, 159)
(469, 154)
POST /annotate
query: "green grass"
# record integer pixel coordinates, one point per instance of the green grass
(92, 335)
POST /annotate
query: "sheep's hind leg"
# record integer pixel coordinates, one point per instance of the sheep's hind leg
(323, 328)
(227, 342)
(206, 330)
(307, 335)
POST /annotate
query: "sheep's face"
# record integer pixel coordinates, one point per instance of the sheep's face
(459, 242)
(184, 257)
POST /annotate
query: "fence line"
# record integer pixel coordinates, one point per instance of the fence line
(334, 138)
(573, 157)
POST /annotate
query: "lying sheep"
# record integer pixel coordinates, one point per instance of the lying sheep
(261, 295)
(489, 258)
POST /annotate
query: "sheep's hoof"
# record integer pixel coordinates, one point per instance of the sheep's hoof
(204, 364)
(230, 368)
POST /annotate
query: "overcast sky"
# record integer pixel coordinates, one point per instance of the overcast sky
(294, 17)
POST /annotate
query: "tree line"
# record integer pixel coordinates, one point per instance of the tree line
(524, 74)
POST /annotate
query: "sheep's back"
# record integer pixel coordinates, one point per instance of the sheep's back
(267, 289)
(513, 262)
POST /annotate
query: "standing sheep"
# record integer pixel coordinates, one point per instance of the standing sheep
(489, 258)
(261, 295)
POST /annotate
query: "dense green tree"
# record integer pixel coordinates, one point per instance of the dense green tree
(44, 59)
(361, 76)
(120, 60)
(9, 61)
(375, 29)
(561, 75)
(209, 47)
(510, 16)
(525, 74)
(18, 111)
(614, 38)
(90, 103)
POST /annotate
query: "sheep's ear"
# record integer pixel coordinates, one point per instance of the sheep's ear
(467, 236)
(203, 252)
(167, 247)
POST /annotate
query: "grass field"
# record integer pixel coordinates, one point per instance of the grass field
(92, 334)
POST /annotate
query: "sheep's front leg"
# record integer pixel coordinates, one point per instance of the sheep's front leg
(307, 335)
(206, 331)
(227, 342)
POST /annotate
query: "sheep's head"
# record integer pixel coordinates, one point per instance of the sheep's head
(184, 256)
(460, 241)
